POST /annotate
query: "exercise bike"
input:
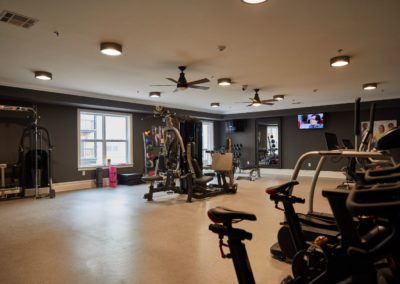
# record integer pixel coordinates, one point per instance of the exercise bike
(317, 262)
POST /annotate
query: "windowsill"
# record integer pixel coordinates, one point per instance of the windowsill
(105, 167)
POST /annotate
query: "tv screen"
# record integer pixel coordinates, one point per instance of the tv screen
(237, 125)
(311, 121)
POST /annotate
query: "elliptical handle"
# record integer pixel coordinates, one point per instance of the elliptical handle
(357, 117)
(371, 118)
(366, 137)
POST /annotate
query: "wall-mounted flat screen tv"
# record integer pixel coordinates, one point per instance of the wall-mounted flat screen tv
(311, 120)
(237, 125)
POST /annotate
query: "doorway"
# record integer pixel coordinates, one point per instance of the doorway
(268, 143)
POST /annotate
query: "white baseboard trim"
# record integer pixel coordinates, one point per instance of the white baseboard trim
(91, 183)
(74, 185)
(303, 173)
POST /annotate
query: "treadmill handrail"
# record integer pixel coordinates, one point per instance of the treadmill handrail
(329, 153)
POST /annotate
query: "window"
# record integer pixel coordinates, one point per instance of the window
(103, 136)
(208, 141)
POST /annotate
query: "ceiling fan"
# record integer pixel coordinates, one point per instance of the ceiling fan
(257, 102)
(183, 84)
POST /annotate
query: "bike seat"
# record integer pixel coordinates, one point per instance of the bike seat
(224, 215)
(281, 188)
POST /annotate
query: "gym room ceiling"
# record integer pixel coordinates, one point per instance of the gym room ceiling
(280, 47)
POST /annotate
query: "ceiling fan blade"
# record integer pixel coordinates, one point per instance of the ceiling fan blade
(201, 81)
(266, 103)
(174, 91)
(199, 87)
(250, 105)
(161, 85)
(173, 80)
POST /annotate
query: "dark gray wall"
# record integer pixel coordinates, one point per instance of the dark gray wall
(295, 142)
(58, 113)
(11, 127)
(248, 139)
(26, 96)
(61, 122)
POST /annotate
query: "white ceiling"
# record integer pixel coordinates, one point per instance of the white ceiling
(281, 47)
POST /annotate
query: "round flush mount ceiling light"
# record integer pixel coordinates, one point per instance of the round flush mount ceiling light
(43, 75)
(224, 82)
(279, 97)
(370, 86)
(111, 48)
(254, 1)
(154, 94)
(214, 105)
(340, 61)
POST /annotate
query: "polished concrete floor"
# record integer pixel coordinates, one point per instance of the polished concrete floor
(115, 236)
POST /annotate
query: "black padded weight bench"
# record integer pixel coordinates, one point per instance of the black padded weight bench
(151, 180)
(130, 178)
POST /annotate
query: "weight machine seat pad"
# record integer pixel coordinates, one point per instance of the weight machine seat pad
(203, 179)
(315, 222)
(224, 215)
(152, 178)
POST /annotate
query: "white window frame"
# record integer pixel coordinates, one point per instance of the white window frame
(210, 137)
(129, 139)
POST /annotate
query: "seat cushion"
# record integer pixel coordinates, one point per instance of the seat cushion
(203, 179)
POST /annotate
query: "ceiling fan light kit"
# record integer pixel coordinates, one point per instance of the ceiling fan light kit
(279, 97)
(214, 105)
(111, 48)
(183, 84)
(256, 101)
(370, 86)
(224, 82)
(340, 61)
(154, 94)
(254, 1)
(43, 75)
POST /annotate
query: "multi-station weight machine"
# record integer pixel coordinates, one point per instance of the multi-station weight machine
(33, 169)
(173, 152)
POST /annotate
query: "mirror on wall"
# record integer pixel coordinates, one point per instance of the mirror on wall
(268, 143)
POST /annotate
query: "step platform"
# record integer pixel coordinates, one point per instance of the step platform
(130, 178)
